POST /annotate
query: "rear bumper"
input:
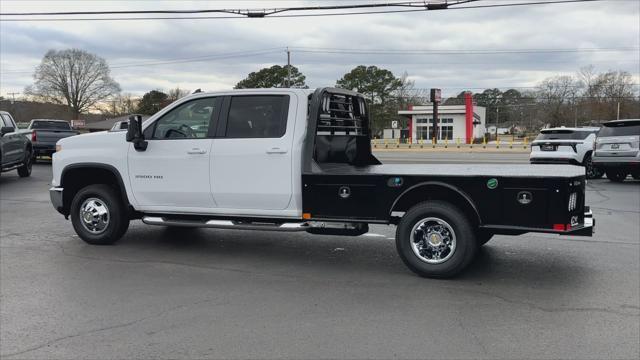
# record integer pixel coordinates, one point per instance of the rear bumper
(585, 229)
(616, 162)
(55, 193)
(564, 161)
(46, 149)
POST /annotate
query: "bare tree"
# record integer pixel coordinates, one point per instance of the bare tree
(122, 104)
(176, 93)
(557, 95)
(74, 77)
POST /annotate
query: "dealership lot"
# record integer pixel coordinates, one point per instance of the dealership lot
(203, 293)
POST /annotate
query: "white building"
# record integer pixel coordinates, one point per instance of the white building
(455, 122)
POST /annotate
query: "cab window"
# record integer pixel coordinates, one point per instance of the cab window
(190, 120)
(257, 116)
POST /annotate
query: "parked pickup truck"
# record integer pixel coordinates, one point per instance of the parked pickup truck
(301, 160)
(15, 147)
(45, 133)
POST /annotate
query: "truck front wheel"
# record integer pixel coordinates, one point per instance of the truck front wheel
(435, 239)
(98, 215)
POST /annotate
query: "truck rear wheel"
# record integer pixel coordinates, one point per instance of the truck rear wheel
(98, 215)
(435, 239)
(616, 175)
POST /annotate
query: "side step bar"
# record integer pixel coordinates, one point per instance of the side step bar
(227, 224)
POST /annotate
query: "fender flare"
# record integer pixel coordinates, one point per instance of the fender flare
(107, 167)
(455, 189)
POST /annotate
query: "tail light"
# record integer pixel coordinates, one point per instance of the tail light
(34, 137)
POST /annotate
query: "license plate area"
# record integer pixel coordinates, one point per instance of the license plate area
(548, 147)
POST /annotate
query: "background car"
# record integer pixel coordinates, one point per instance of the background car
(45, 133)
(617, 149)
(15, 147)
(566, 146)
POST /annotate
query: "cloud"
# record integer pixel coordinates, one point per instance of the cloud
(589, 25)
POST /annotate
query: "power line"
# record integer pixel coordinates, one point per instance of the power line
(247, 53)
(455, 52)
(277, 13)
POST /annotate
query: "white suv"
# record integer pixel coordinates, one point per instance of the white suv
(566, 146)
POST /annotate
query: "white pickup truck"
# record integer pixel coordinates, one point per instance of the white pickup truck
(300, 160)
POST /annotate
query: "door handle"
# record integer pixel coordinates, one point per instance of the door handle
(195, 151)
(276, 150)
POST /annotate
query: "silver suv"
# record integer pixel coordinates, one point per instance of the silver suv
(566, 146)
(617, 149)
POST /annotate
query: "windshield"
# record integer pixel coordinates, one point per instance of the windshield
(564, 135)
(620, 129)
(50, 125)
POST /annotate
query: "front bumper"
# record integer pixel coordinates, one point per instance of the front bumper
(55, 193)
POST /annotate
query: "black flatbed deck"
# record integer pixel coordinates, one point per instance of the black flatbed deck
(515, 171)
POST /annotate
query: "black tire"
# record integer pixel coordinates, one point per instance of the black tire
(616, 175)
(25, 169)
(454, 261)
(117, 218)
(483, 237)
(590, 170)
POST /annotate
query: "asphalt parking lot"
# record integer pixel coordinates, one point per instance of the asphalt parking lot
(205, 293)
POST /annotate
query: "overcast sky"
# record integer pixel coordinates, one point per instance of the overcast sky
(232, 48)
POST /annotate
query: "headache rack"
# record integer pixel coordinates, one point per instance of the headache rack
(338, 130)
(342, 114)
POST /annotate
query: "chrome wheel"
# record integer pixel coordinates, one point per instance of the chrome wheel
(433, 240)
(94, 215)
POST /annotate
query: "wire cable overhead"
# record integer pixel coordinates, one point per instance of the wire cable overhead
(297, 11)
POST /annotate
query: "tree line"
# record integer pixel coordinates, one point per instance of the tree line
(83, 82)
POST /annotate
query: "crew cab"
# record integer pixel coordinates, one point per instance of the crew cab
(15, 147)
(45, 133)
(566, 146)
(301, 160)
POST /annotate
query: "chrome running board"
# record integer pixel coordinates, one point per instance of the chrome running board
(226, 224)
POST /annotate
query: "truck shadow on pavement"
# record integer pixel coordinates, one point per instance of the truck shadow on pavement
(330, 257)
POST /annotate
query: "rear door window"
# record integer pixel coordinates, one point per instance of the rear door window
(257, 116)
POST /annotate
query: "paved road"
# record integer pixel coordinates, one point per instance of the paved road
(224, 294)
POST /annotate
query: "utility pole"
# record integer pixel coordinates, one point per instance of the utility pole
(436, 97)
(288, 68)
(13, 98)
(497, 117)
(618, 116)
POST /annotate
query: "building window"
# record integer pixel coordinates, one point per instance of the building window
(446, 132)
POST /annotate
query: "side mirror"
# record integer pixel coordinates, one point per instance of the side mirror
(134, 133)
(6, 129)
